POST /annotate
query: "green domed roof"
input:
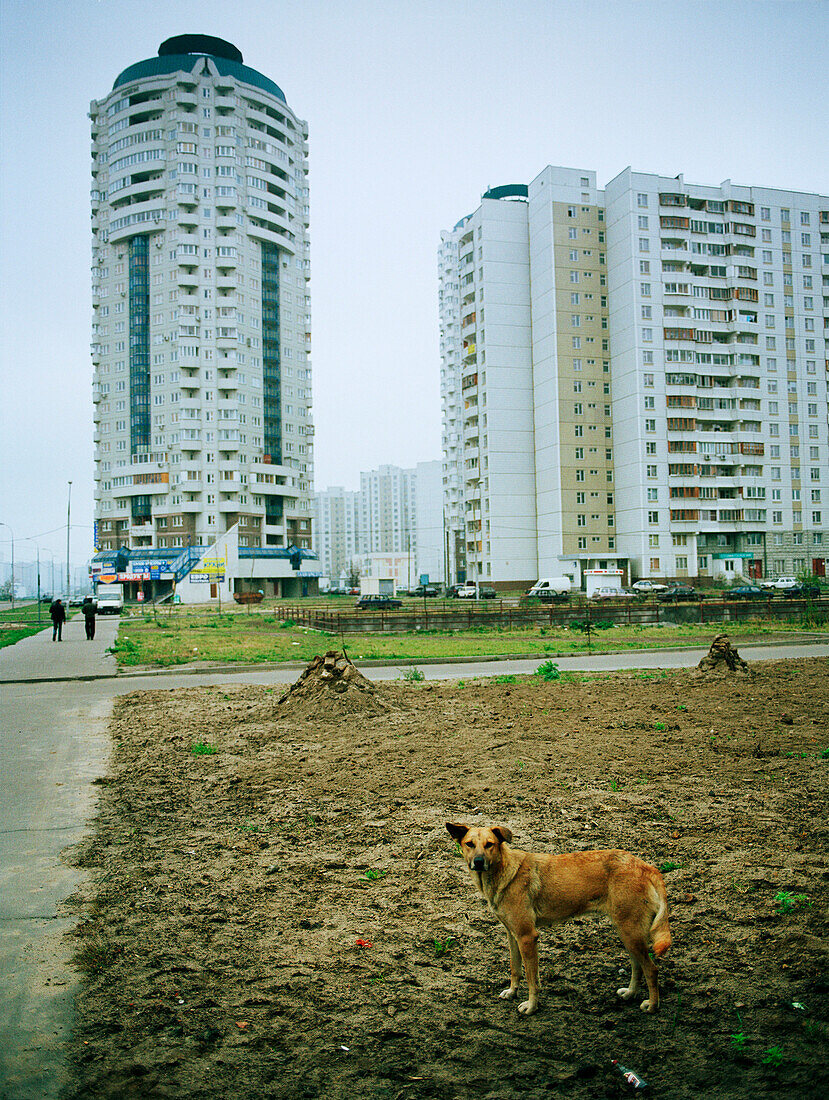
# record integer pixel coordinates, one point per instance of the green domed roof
(179, 54)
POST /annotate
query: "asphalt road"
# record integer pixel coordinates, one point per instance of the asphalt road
(53, 745)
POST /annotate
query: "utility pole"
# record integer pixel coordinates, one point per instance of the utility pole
(2, 524)
(68, 514)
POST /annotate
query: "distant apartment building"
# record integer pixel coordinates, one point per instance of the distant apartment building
(337, 531)
(201, 327)
(635, 378)
(394, 520)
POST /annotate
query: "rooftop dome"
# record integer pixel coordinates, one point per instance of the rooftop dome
(180, 53)
(199, 43)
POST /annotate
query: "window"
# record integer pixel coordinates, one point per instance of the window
(644, 244)
(651, 471)
(653, 517)
(641, 199)
(643, 221)
(650, 425)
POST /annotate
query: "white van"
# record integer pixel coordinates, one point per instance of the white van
(551, 588)
(110, 599)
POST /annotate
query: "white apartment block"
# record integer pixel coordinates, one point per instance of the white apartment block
(388, 517)
(201, 327)
(337, 532)
(395, 521)
(642, 380)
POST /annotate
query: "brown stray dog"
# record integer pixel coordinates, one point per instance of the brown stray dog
(526, 890)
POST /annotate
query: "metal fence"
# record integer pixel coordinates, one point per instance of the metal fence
(505, 616)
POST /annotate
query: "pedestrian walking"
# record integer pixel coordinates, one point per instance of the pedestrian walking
(58, 615)
(88, 609)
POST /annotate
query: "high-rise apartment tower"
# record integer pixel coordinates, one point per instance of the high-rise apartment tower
(636, 378)
(201, 328)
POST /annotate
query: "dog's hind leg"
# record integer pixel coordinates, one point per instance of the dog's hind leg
(514, 969)
(628, 992)
(642, 963)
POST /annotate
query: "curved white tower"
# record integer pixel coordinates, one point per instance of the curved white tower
(201, 326)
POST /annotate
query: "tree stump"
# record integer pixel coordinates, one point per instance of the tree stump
(722, 657)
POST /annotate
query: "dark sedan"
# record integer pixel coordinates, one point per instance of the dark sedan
(802, 592)
(377, 603)
(676, 592)
(746, 592)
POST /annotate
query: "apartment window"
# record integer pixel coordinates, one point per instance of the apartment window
(643, 221)
(653, 517)
(647, 335)
(579, 454)
(765, 213)
(651, 470)
(644, 267)
(572, 232)
(653, 494)
(574, 275)
(641, 199)
(777, 517)
(650, 425)
(644, 244)
(654, 565)
(581, 519)
(650, 403)
(647, 313)
(576, 342)
(645, 290)
(650, 448)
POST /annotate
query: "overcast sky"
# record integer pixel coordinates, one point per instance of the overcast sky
(414, 108)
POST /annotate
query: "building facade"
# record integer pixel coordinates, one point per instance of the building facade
(394, 521)
(337, 532)
(201, 326)
(642, 379)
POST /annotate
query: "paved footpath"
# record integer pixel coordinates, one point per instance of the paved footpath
(55, 701)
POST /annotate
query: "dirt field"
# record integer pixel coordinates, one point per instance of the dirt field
(286, 916)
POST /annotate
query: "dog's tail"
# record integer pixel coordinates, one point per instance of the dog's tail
(660, 930)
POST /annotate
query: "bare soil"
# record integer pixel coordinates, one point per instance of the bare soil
(288, 917)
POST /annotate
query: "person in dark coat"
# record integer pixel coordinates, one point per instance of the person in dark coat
(58, 614)
(88, 609)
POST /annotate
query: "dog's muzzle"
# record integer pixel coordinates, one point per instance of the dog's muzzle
(479, 864)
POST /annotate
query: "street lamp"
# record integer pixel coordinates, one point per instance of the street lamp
(2, 524)
(68, 513)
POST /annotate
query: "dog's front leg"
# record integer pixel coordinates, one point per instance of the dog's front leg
(528, 946)
(514, 969)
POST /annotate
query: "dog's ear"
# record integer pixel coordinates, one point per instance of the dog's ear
(457, 831)
(503, 833)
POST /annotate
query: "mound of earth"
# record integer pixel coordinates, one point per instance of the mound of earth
(722, 657)
(278, 910)
(331, 687)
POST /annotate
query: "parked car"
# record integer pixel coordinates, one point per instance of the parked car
(647, 588)
(377, 603)
(745, 592)
(424, 590)
(485, 592)
(467, 591)
(607, 592)
(676, 592)
(802, 591)
(780, 583)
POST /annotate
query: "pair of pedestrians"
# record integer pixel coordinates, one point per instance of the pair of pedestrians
(57, 613)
